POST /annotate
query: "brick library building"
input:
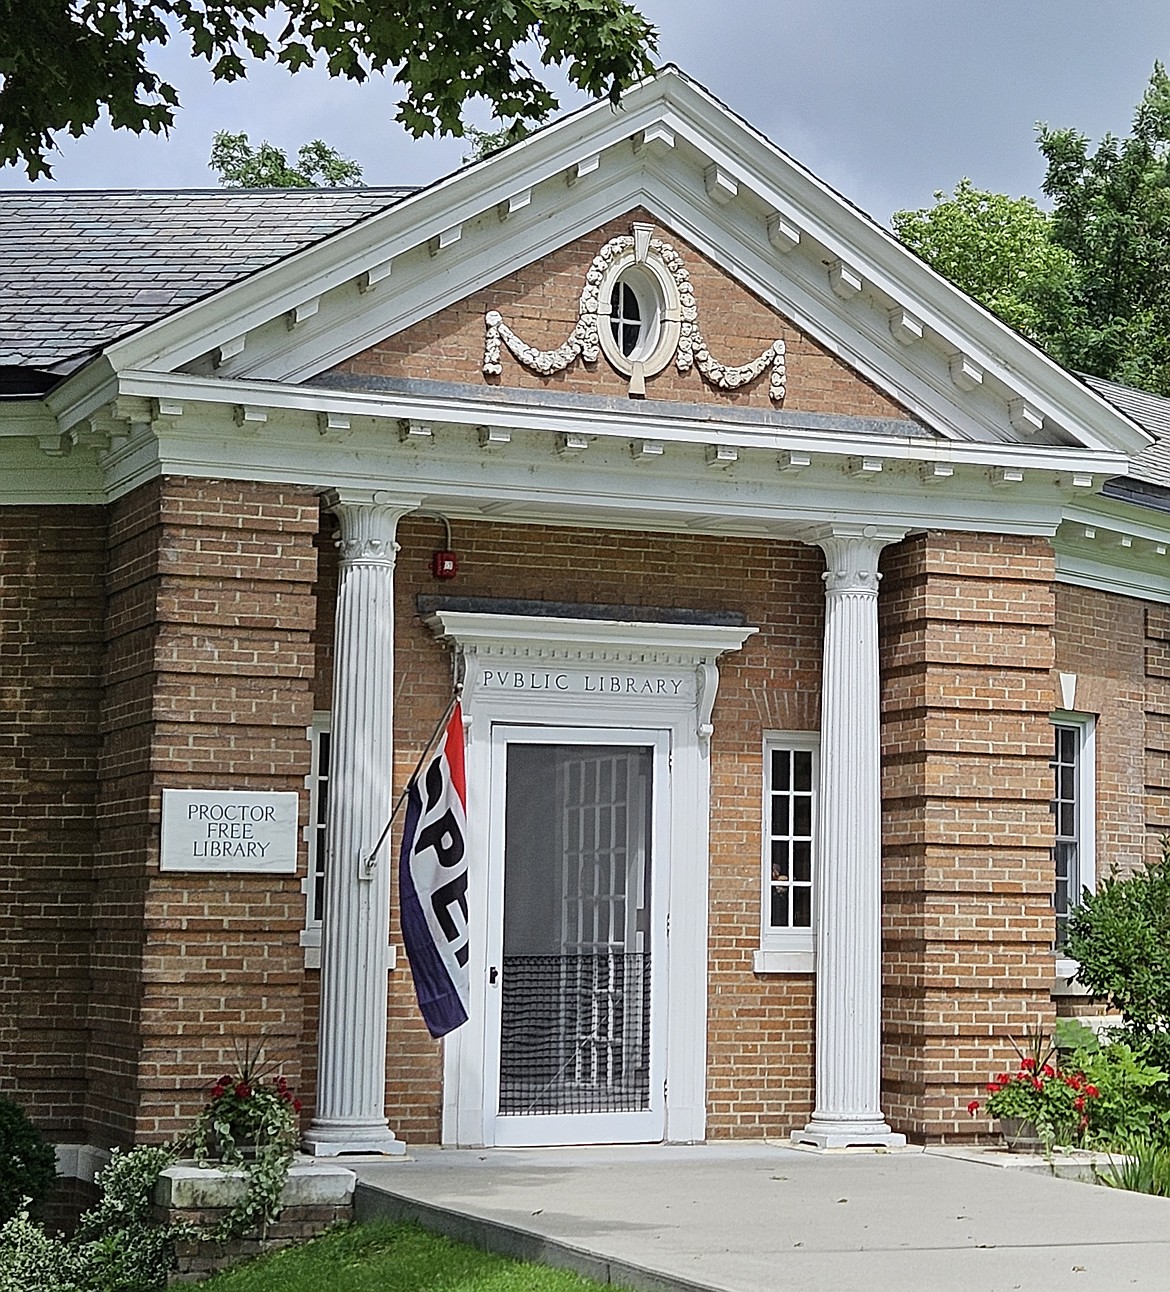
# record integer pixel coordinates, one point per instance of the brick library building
(813, 631)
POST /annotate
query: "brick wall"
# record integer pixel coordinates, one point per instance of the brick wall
(540, 303)
(209, 674)
(52, 604)
(968, 926)
(1102, 639)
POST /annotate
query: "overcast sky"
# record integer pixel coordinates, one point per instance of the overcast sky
(884, 101)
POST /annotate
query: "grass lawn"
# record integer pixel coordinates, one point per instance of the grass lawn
(393, 1257)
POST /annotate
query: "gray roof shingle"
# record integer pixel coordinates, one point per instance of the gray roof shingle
(1152, 413)
(79, 269)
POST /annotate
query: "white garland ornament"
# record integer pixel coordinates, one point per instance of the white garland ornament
(584, 342)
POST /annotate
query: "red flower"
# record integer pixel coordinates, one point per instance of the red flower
(297, 1105)
(1037, 1084)
(243, 1090)
(217, 1090)
(973, 1107)
(224, 1081)
(1092, 1092)
(281, 1084)
(991, 1087)
(1079, 1103)
(1047, 1070)
(1004, 1079)
(1027, 1064)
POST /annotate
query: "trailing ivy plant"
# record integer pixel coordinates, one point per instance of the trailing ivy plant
(250, 1124)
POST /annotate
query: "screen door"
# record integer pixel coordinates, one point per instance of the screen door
(576, 1056)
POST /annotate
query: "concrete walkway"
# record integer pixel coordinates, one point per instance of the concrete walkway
(756, 1218)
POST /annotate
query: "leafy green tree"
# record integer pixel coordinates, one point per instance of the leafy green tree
(998, 249)
(485, 142)
(1089, 282)
(239, 165)
(63, 61)
(1111, 212)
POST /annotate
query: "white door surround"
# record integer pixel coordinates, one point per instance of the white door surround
(552, 671)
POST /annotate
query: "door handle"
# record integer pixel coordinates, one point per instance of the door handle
(493, 974)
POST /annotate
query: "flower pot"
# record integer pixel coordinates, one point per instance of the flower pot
(246, 1148)
(1020, 1135)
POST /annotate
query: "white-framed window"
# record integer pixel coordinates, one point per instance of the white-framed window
(788, 874)
(313, 885)
(1074, 811)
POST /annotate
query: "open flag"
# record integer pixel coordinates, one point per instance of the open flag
(432, 884)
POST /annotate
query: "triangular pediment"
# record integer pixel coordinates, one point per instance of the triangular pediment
(741, 208)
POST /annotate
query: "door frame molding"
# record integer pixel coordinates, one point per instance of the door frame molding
(537, 670)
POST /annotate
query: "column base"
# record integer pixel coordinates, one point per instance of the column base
(331, 1139)
(849, 1134)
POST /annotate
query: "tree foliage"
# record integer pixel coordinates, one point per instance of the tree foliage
(999, 249)
(1090, 282)
(239, 165)
(63, 61)
(1111, 212)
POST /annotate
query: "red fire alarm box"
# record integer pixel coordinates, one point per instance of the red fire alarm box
(444, 565)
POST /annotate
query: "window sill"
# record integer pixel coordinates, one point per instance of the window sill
(1064, 971)
(789, 961)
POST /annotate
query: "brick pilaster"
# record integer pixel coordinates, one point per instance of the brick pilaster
(968, 926)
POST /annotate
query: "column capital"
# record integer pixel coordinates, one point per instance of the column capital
(369, 522)
(851, 554)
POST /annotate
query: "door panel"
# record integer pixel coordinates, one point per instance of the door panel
(577, 1030)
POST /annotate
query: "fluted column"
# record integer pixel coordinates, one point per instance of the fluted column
(351, 1073)
(848, 888)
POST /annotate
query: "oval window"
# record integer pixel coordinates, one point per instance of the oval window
(638, 323)
(625, 317)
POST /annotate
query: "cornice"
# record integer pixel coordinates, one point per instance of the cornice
(598, 639)
(623, 423)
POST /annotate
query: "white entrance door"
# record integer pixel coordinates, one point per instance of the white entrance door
(577, 948)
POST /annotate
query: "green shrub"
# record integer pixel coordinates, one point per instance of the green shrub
(1133, 1100)
(1144, 1169)
(32, 1261)
(28, 1164)
(1120, 937)
(117, 1246)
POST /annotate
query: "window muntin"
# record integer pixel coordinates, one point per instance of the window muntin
(313, 885)
(789, 841)
(1073, 812)
(320, 806)
(790, 836)
(625, 317)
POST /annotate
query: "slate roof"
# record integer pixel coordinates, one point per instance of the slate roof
(79, 269)
(1152, 413)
